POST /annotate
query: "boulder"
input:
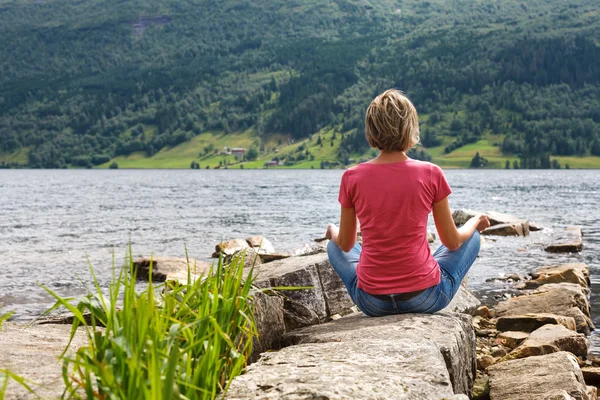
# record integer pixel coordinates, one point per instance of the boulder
(460, 217)
(531, 322)
(570, 240)
(452, 333)
(230, 247)
(577, 273)
(268, 316)
(408, 356)
(551, 339)
(511, 339)
(538, 377)
(310, 249)
(265, 258)
(261, 244)
(505, 230)
(561, 299)
(481, 388)
(169, 268)
(382, 369)
(32, 351)
(430, 237)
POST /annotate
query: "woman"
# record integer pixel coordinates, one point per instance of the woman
(391, 196)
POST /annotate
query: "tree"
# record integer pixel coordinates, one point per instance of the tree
(478, 161)
(319, 142)
(515, 164)
(252, 154)
(507, 165)
(114, 165)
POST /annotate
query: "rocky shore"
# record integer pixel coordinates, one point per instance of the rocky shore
(313, 343)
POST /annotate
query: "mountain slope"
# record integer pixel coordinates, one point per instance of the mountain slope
(83, 82)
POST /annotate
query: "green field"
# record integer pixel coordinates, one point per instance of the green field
(183, 155)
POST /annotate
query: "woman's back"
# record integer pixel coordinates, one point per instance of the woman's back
(392, 202)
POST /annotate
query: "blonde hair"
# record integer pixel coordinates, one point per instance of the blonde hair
(391, 122)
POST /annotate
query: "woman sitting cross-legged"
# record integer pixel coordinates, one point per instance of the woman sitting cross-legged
(394, 271)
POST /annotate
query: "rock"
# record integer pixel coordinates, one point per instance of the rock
(32, 351)
(505, 230)
(482, 311)
(538, 377)
(265, 258)
(337, 299)
(251, 258)
(296, 315)
(312, 249)
(509, 278)
(577, 273)
(498, 352)
(430, 237)
(531, 322)
(481, 388)
(464, 302)
(551, 339)
(534, 227)
(558, 395)
(462, 216)
(560, 299)
(452, 333)
(570, 240)
(298, 272)
(169, 268)
(511, 339)
(591, 375)
(268, 315)
(230, 247)
(382, 369)
(261, 244)
(484, 361)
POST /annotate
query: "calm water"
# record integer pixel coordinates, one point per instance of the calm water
(50, 221)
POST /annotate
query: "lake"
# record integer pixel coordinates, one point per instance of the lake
(53, 221)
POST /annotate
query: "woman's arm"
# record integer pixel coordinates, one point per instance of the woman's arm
(345, 235)
(450, 236)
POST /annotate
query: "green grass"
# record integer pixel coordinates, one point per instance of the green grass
(20, 156)
(175, 341)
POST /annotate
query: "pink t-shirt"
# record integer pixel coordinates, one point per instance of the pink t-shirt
(392, 202)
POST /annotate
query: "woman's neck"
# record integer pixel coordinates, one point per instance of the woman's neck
(386, 157)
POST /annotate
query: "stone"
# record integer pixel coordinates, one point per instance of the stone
(498, 352)
(430, 237)
(261, 244)
(169, 269)
(268, 316)
(452, 333)
(297, 272)
(337, 299)
(360, 369)
(32, 352)
(591, 375)
(310, 249)
(484, 361)
(558, 395)
(570, 240)
(481, 388)
(230, 247)
(250, 256)
(534, 227)
(561, 299)
(511, 339)
(505, 230)
(531, 322)
(463, 302)
(482, 311)
(551, 339)
(265, 258)
(577, 273)
(538, 377)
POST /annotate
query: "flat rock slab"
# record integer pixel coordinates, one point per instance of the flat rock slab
(577, 273)
(531, 322)
(511, 339)
(539, 377)
(551, 339)
(364, 369)
(464, 302)
(560, 299)
(261, 244)
(570, 240)
(452, 333)
(230, 247)
(32, 352)
(591, 375)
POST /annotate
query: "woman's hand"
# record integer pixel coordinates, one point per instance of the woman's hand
(483, 222)
(331, 231)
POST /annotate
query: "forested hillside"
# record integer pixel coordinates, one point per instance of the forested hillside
(83, 81)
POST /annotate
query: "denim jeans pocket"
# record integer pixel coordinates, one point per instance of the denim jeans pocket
(415, 304)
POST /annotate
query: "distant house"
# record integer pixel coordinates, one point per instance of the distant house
(271, 163)
(238, 151)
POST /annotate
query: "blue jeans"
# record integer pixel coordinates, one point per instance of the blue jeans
(454, 265)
